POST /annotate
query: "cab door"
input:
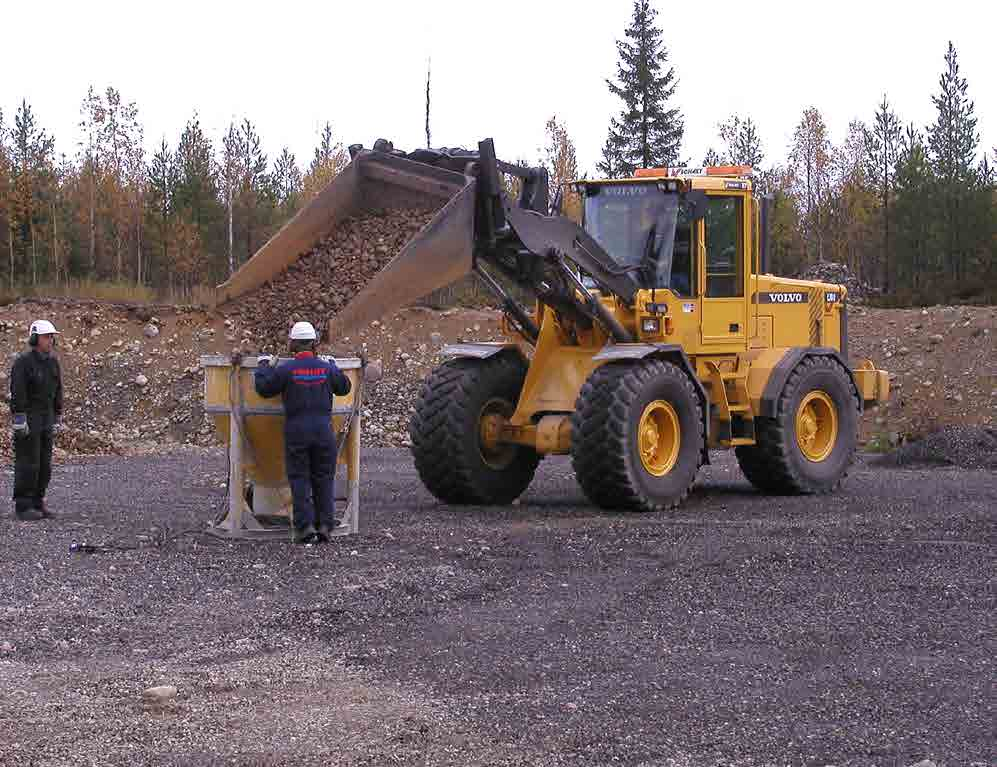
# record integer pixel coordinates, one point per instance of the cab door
(724, 314)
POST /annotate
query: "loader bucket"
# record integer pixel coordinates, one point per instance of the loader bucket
(438, 255)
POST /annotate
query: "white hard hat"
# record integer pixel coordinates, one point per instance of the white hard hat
(42, 328)
(303, 331)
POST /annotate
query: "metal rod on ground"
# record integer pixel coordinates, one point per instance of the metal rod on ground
(235, 479)
(353, 467)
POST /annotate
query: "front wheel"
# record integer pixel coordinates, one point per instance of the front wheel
(810, 444)
(456, 427)
(637, 436)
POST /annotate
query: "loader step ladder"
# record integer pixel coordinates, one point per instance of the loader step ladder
(732, 404)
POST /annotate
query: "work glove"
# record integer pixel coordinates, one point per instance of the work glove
(20, 425)
(265, 360)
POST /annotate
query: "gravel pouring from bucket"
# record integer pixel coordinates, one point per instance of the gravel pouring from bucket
(438, 255)
(375, 181)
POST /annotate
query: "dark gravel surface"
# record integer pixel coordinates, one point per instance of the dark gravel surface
(855, 629)
(969, 447)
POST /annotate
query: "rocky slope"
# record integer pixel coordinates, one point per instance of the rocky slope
(133, 380)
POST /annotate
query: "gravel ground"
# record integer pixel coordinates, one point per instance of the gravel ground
(968, 447)
(740, 630)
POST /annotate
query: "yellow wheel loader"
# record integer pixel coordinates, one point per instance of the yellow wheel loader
(654, 335)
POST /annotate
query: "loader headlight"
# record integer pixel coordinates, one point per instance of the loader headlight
(650, 325)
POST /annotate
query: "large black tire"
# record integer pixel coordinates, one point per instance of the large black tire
(605, 436)
(445, 429)
(778, 463)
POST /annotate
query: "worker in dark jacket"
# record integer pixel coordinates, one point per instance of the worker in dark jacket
(36, 408)
(307, 384)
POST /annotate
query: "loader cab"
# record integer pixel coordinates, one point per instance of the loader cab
(647, 231)
(689, 235)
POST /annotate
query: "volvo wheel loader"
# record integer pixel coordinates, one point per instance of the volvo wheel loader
(655, 333)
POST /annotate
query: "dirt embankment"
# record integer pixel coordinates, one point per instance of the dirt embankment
(943, 366)
(133, 381)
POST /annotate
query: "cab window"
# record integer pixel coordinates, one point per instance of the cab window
(682, 281)
(724, 261)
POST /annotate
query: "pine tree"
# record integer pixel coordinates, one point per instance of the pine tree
(882, 146)
(742, 141)
(913, 210)
(137, 182)
(196, 197)
(60, 172)
(253, 196)
(611, 165)
(990, 253)
(952, 144)
(329, 159)
(647, 132)
(713, 158)
(984, 244)
(985, 172)
(286, 182)
(163, 182)
(32, 159)
(788, 248)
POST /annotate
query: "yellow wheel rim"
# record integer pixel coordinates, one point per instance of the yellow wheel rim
(494, 415)
(816, 426)
(659, 437)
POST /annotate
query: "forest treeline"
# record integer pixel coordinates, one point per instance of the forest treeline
(912, 210)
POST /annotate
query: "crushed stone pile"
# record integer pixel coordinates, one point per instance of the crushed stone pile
(840, 274)
(131, 375)
(406, 347)
(967, 447)
(942, 362)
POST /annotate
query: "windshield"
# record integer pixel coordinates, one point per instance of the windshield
(636, 226)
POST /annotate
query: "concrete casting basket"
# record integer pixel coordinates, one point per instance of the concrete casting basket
(253, 429)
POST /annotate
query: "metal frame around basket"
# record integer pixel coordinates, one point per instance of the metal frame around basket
(239, 521)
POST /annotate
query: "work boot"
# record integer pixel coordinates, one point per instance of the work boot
(28, 515)
(325, 532)
(42, 509)
(306, 534)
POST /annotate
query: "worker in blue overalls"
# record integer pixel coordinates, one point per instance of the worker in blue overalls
(307, 384)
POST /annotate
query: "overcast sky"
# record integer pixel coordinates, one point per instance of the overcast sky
(499, 69)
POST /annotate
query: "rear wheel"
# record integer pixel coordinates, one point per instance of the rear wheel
(810, 444)
(455, 432)
(637, 436)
